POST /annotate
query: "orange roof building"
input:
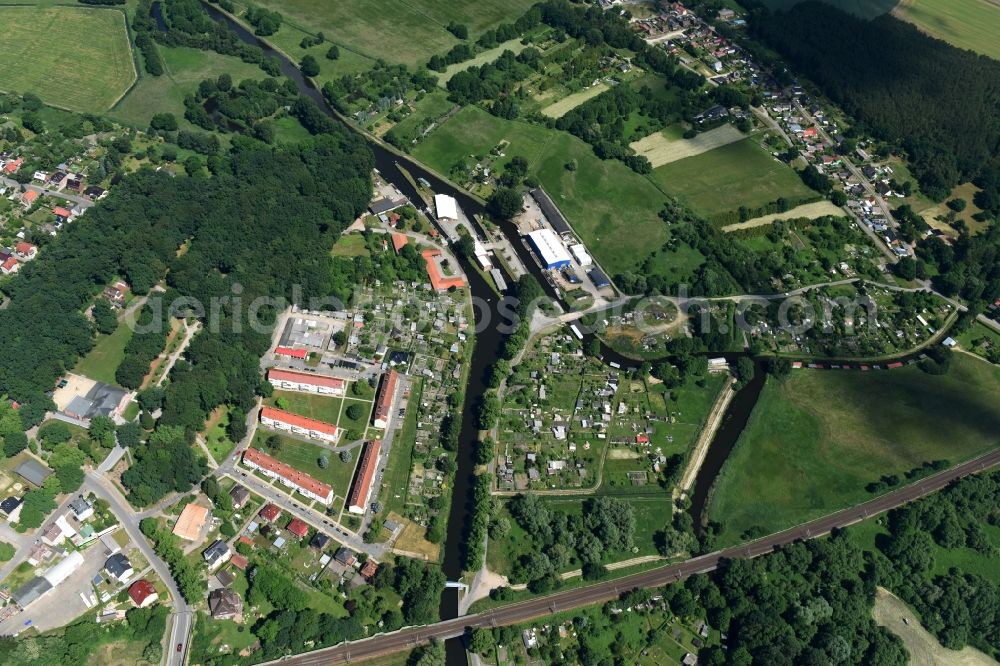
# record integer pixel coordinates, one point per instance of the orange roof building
(288, 476)
(383, 400)
(439, 281)
(13, 165)
(294, 352)
(190, 522)
(303, 382)
(399, 241)
(361, 491)
(29, 197)
(303, 426)
(64, 213)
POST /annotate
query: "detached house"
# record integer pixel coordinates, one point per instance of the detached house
(10, 266)
(25, 251)
(29, 198)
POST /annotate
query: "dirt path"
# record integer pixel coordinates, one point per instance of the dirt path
(712, 424)
(924, 649)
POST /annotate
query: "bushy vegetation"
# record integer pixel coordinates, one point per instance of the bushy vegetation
(188, 576)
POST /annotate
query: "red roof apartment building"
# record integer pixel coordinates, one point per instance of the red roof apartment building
(304, 382)
(304, 426)
(288, 476)
(361, 491)
(383, 400)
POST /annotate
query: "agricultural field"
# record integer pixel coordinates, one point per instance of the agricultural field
(734, 175)
(570, 102)
(817, 439)
(601, 198)
(967, 24)
(665, 147)
(184, 69)
(810, 211)
(368, 30)
(72, 57)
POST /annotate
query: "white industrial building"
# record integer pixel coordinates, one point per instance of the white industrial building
(446, 207)
(549, 248)
(580, 254)
(64, 569)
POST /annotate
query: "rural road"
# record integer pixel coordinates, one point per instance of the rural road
(406, 639)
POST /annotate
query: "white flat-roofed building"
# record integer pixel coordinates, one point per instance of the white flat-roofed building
(549, 249)
(446, 207)
(580, 254)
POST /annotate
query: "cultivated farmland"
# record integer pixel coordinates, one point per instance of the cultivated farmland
(408, 33)
(967, 24)
(811, 211)
(723, 179)
(570, 102)
(72, 57)
(660, 148)
(817, 439)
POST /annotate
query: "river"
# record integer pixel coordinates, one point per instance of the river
(489, 341)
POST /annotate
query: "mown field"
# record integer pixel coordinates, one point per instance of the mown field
(73, 57)
(103, 360)
(398, 32)
(184, 68)
(725, 178)
(967, 24)
(816, 440)
(664, 147)
(609, 205)
(810, 210)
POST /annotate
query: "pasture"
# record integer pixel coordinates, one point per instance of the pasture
(811, 211)
(184, 69)
(967, 24)
(663, 148)
(817, 439)
(734, 175)
(570, 102)
(401, 33)
(613, 208)
(72, 57)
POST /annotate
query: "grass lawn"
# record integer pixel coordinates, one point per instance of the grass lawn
(397, 32)
(324, 408)
(967, 24)
(397, 470)
(815, 441)
(613, 208)
(359, 424)
(215, 435)
(350, 245)
(74, 57)
(725, 178)
(980, 339)
(103, 360)
(185, 68)
(290, 130)
(304, 457)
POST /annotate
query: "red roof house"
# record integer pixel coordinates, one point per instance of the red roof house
(270, 513)
(13, 165)
(642, 439)
(29, 197)
(291, 351)
(59, 211)
(10, 266)
(298, 528)
(399, 241)
(142, 593)
(369, 569)
(239, 561)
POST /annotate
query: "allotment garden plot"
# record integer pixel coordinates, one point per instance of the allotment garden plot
(76, 58)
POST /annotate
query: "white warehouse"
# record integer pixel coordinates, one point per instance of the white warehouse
(580, 254)
(549, 248)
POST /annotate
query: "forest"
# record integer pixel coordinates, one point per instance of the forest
(260, 226)
(935, 102)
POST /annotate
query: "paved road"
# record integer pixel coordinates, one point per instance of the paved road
(182, 614)
(84, 202)
(524, 611)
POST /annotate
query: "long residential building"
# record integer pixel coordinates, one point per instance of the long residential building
(361, 490)
(300, 425)
(383, 399)
(305, 382)
(288, 476)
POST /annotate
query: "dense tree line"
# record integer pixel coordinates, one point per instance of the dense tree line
(479, 516)
(936, 102)
(167, 463)
(246, 107)
(958, 607)
(493, 80)
(559, 539)
(188, 24)
(526, 295)
(142, 349)
(968, 267)
(77, 644)
(145, 28)
(264, 21)
(185, 572)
